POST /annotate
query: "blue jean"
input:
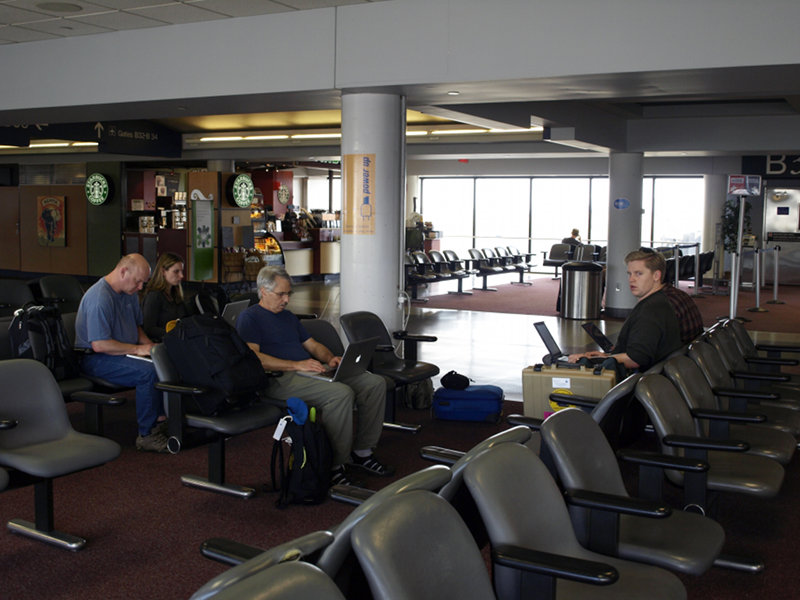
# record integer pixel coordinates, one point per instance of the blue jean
(141, 374)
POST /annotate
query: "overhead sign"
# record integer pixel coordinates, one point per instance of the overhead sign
(773, 165)
(116, 137)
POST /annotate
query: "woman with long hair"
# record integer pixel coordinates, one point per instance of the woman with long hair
(163, 296)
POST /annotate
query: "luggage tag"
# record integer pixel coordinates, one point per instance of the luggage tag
(280, 427)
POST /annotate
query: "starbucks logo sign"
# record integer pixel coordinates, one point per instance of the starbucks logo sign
(98, 189)
(243, 191)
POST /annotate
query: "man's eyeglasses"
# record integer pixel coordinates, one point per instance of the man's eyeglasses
(286, 295)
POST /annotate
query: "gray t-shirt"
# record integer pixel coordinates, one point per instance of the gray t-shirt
(106, 315)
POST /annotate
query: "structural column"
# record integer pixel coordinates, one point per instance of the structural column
(624, 228)
(373, 207)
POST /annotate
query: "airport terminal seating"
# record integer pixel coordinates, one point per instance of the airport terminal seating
(753, 351)
(712, 421)
(293, 580)
(43, 445)
(361, 325)
(187, 427)
(440, 560)
(14, 294)
(65, 290)
(722, 465)
(641, 531)
(517, 263)
(557, 256)
(486, 267)
(522, 507)
(778, 415)
(415, 277)
(334, 555)
(450, 270)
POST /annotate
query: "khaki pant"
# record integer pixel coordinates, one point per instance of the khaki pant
(366, 393)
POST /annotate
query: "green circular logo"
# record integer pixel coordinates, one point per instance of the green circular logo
(243, 191)
(97, 189)
(283, 194)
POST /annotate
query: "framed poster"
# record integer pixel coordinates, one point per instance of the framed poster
(51, 215)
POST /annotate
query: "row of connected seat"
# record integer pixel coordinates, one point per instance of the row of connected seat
(563, 253)
(435, 266)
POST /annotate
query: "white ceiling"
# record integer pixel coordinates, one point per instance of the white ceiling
(33, 20)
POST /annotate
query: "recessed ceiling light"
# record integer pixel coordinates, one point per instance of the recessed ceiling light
(65, 7)
(453, 93)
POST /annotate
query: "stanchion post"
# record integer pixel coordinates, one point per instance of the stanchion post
(757, 281)
(675, 258)
(734, 284)
(776, 251)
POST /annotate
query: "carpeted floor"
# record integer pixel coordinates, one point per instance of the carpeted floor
(540, 299)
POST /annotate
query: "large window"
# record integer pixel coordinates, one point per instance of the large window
(559, 206)
(533, 213)
(320, 190)
(449, 205)
(501, 212)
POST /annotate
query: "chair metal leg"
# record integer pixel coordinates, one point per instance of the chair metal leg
(216, 474)
(43, 530)
(736, 563)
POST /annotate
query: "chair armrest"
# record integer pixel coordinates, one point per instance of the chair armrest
(746, 394)
(554, 565)
(586, 401)
(413, 337)
(438, 454)
(534, 423)
(777, 348)
(727, 415)
(306, 315)
(619, 504)
(384, 348)
(700, 443)
(755, 376)
(179, 388)
(97, 398)
(227, 551)
(663, 461)
(350, 494)
(8, 423)
(761, 360)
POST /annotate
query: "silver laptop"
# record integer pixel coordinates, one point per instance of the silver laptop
(355, 361)
(232, 310)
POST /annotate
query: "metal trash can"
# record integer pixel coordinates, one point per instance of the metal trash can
(581, 290)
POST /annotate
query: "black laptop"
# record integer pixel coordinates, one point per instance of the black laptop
(606, 345)
(554, 353)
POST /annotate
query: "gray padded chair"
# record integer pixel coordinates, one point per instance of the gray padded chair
(763, 440)
(14, 293)
(730, 470)
(772, 351)
(746, 377)
(187, 427)
(558, 255)
(730, 397)
(676, 540)
(65, 290)
(225, 583)
(522, 506)
(415, 546)
(285, 581)
(334, 556)
(43, 445)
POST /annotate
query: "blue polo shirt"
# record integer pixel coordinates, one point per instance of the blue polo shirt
(277, 334)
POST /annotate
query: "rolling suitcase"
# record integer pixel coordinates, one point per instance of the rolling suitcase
(539, 381)
(475, 403)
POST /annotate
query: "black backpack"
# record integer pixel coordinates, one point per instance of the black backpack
(207, 352)
(38, 332)
(305, 478)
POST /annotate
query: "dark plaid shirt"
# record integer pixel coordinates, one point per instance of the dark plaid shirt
(689, 318)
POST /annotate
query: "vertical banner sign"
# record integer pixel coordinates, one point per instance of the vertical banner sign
(358, 215)
(202, 238)
(51, 221)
